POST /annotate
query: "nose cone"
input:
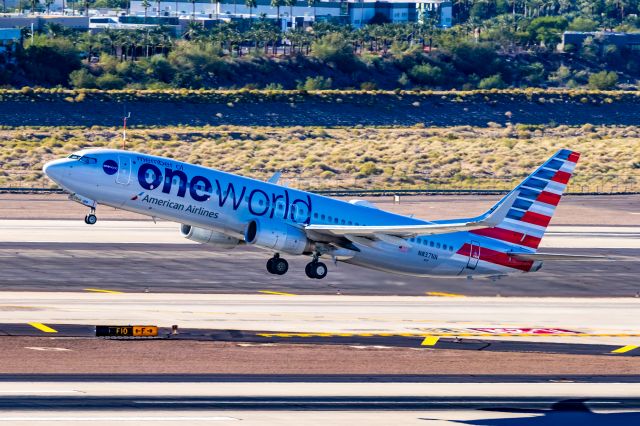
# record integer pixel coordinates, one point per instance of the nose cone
(56, 170)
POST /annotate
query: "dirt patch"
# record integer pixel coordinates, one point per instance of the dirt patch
(107, 356)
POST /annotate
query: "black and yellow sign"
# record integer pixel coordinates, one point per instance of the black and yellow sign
(126, 331)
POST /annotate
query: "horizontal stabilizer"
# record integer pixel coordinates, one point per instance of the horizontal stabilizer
(559, 257)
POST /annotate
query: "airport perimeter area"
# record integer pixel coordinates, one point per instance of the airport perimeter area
(558, 346)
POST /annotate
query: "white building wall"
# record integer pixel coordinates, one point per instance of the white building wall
(186, 8)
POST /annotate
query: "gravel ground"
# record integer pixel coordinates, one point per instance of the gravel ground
(68, 355)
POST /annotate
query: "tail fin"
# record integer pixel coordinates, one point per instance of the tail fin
(536, 202)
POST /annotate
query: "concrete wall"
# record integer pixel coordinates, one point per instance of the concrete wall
(79, 22)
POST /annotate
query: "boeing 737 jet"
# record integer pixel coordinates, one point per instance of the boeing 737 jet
(225, 210)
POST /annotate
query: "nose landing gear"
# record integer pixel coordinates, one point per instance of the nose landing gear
(91, 218)
(277, 265)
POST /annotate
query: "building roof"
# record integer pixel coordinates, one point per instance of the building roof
(10, 34)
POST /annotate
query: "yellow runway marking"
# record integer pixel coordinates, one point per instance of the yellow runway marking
(439, 335)
(439, 294)
(42, 327)
(100, 290)
(624, 349)
(277, 293)
(430, 341)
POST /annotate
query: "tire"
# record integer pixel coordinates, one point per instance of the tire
(92, 219)
(280, 266)
(270, 266)
(320, 270)
(309, 270)
(85, 220)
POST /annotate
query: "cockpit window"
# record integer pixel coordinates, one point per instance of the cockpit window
(74, 157)
(88, 160)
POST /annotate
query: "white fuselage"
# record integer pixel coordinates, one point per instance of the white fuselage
(226, 203)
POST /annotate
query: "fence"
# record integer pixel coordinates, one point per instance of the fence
(33, 181)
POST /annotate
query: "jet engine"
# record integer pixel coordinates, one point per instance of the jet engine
(277, 236)
(209, 237)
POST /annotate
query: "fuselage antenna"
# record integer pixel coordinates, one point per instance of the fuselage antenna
(124, 127)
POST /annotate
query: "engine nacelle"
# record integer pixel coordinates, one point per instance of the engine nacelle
(277, 236)
(207, 236)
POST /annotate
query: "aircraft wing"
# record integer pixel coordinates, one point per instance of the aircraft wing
(558, 257)
(389, 232)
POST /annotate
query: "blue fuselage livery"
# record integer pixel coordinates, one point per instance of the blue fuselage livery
(225, 210)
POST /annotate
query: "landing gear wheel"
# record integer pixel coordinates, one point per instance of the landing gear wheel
(90, 219)
(270, 266)
(317, 270)
(277, 265)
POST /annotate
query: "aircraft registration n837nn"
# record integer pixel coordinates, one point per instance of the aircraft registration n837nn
(225, 210)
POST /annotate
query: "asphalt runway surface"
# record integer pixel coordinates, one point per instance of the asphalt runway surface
(197, 269)
(319, 403)
(363, 340)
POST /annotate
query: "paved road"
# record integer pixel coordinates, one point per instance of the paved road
(405, 340)
(591, 321)
(187, 268)
(320, 403)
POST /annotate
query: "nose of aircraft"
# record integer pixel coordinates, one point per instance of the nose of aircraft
(55, 170)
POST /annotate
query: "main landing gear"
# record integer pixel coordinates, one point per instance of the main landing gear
(91, 218)
(277, 265)
(315, 269)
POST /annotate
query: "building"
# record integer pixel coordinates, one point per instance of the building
(355, 12)
(577, 38)
(9, 41)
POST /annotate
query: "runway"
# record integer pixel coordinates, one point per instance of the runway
(259, 403)
(135, 256)
(595, 321)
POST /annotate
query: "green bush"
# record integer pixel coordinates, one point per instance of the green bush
(492, 82)
(431, 75)
(82, 79)
(603, 80)
(335, 48)
(110, 82)
(316, 83)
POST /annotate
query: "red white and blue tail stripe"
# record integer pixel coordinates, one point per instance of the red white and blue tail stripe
(539, 195)
(528, 218)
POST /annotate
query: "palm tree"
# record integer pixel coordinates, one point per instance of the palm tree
(193, 13)
(146, 5)
(290, 3)
(251, 4)
(86, 7)
(158, 7)
(34, 5)
(312, 3)
(277, 4)
(48, 4)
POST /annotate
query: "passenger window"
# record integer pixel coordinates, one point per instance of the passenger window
(335, 220)
(438, 245)
(315, 215)
(411, 239)
(342, 221)
(329, 218)
(322, 217)
(350, 223)
(430, 243)
(357, 224)
(450, 248)
(419, 241)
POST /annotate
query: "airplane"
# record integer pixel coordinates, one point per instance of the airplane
(224, 210)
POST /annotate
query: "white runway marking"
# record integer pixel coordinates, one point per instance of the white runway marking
(118, 419)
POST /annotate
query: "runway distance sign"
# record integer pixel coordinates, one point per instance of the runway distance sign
(126, 331)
